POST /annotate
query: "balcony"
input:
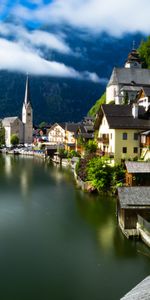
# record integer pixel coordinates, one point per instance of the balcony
(103, 139)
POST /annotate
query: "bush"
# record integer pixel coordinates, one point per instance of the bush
(102, 175)
(14, 139)
(91, 147)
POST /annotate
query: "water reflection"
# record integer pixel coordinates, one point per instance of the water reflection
(8, 166)
(57, 239)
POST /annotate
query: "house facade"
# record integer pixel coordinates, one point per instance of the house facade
(56, 134)
(119, 130)
(63, 134)
(132, 202)
(13, 125)
(143, 98)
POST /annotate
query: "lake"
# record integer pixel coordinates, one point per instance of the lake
(59, 243)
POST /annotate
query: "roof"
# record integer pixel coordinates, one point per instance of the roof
(134, 56)
(141, 291)
(120, 117)
(8, 121)
(146, 91)
(137, 167)
(72, 127)
(27, 92)
(134, 197)
(147, 133)
(131, 88)
(130, 76)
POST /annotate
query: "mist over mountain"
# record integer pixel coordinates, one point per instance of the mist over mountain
(57, 99)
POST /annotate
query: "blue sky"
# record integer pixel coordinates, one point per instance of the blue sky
(24, 51)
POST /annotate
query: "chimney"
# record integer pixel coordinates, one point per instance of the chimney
(135, 110)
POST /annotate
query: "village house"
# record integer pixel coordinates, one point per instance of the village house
(23, 129)
(125, 82)
(63, 134)
(143, 97)
(137, 173)
(133, 203)
(119, 128)
(56, 134)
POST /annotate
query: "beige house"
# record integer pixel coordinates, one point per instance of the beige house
(119, 128)
(63, 134)
(56, 134)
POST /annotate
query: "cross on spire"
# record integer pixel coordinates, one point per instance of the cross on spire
(133, 45)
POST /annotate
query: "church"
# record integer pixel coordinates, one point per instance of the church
(125, 83)
(22, 128)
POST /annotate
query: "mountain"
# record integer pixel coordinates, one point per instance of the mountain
(61, 99)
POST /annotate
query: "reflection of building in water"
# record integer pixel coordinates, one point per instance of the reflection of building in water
(106, 235)
(8, 166)
(24, 183)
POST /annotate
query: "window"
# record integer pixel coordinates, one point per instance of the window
(135, 136)
(124, 150)
(124, 136)
(135, 150)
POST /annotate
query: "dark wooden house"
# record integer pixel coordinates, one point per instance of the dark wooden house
(132, 201)
(137, 173)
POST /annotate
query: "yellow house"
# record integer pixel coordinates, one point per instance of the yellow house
(119, 128)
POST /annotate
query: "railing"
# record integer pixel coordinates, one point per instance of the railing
(144, 224)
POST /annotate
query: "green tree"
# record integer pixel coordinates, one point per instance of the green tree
(91, 147)
(144, 51)
(42, 125)
(14, 139)
(99, 172)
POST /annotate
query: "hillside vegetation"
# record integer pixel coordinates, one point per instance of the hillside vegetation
(144, 51)
(95, 108)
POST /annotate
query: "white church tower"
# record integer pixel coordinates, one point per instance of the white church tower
(27, 116)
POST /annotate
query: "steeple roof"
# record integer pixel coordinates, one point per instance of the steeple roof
(134, 56)
(27, 92)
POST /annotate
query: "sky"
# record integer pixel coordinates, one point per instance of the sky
(21, 48)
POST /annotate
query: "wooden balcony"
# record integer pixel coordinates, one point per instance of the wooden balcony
(104, 140)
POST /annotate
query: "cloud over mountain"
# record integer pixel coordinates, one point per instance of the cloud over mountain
(26, 58)
(113, 16)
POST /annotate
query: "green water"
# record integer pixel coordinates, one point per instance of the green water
(58, 243)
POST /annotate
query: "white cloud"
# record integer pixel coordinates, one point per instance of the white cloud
(18, 57)
(113, 16)
(37, 38)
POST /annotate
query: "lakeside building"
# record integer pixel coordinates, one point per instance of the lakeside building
(22, 128)
(137, 173)
(125, 82)
(133, 211)
(119, 128)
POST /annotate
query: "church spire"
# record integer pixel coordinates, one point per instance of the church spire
(27, 92)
